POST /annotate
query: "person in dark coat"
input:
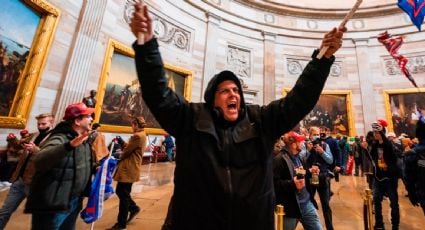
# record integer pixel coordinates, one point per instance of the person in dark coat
(224, 173)
(290, 185)
(63, 169)
(415, 168)
(386, 175)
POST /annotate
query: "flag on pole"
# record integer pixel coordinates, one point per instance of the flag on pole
(152, 144)
(393, 44)
(415, 9)
(101, 190)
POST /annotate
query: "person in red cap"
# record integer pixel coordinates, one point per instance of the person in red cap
(386, 175)
(224, 172)
(289, 185)
(63, 169)
(22, 176)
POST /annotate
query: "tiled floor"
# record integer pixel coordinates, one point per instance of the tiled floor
(153, 192)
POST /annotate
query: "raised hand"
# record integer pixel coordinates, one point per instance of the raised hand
(141, 23)
(333, 40)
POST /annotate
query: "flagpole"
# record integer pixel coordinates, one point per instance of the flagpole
(140, 35)
(347, 17)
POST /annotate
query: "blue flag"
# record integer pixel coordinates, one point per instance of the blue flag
(415, 9)
(101, 189)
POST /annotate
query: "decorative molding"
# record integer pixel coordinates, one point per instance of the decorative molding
(296, 66)
(129, 10)
(217, 2)
(281, 8)
(312, 24)
(269, 18)
(171, 34)
(415, 65)
(239, 61)
(358, 24)
(164, 30)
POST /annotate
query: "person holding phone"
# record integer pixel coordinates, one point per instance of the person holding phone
(290, 186)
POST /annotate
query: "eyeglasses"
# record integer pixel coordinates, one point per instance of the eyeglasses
(228, 91)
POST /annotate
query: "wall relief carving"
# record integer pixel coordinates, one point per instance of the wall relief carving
(296, 66)
(164, 30)
(239, 61)
(415, 65)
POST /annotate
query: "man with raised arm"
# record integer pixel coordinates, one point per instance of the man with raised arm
(224, 173)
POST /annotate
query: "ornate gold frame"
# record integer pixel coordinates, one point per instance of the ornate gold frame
(31, 74)
(387, 102)
(116, 46)
(348, 94)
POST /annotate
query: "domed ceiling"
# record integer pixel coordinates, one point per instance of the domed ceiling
(324, 8)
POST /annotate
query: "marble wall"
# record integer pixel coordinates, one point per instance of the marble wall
(265, 49)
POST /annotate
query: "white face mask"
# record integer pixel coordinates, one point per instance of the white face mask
(316, 137)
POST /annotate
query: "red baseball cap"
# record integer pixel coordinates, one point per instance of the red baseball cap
(23, 132)
(10, 137)
(297, 137)
(77, 109)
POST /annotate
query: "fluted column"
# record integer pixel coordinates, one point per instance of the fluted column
(269, 79)
(84, 49)
(366, 82)
(211, 44)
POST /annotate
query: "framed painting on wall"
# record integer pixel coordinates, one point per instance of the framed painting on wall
(119, 93)
(332, 111)
(401, 107)
(26, 33)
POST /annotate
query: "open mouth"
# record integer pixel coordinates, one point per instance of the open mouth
(231, 106)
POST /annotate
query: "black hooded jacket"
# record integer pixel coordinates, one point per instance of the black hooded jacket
(224, 175)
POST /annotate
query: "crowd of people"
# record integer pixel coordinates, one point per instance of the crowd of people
(380, 156)
(220, 143)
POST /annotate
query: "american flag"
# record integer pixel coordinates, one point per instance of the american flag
(101, 190)
(152, 144)
(393, 44)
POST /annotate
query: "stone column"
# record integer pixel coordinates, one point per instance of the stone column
(211, 44)
(83, 50)
(366, 82)
(269, 78)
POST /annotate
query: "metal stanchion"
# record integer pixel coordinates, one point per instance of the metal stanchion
(279, 216)
(367, 210)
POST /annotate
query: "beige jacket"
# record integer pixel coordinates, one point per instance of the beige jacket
(130, 164)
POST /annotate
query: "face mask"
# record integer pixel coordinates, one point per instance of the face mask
(43, 130)
(316, 137)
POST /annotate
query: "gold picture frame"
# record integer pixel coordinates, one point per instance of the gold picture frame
(339, 117)
(28, 57)
(399, 106)
(119, 97)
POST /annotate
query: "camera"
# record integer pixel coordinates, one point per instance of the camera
(316, 142)
(300, 173)
(300, 176)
